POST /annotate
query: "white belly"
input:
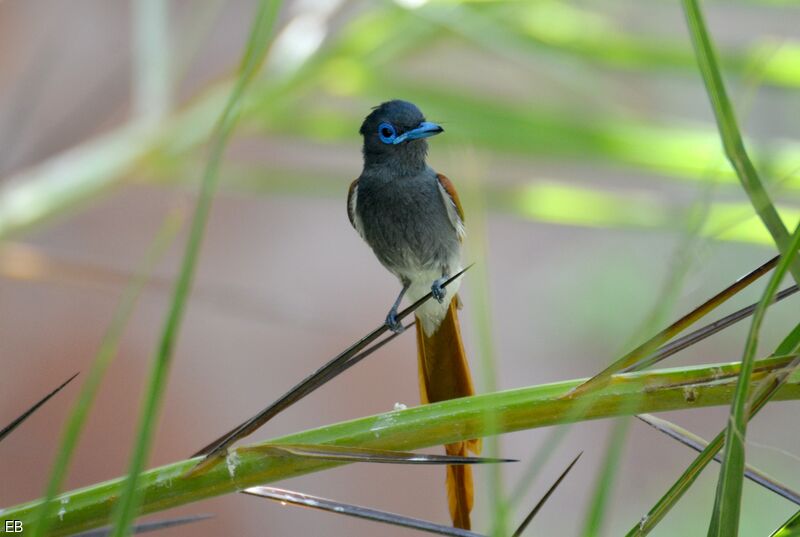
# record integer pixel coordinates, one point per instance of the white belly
(431, 313)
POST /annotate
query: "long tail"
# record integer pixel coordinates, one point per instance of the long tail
(444, 374)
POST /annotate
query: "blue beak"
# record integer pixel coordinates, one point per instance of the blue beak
(425, 129)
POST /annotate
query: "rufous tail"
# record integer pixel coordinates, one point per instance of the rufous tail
(444, 374)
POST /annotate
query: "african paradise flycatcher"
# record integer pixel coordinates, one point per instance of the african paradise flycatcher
(412, 219)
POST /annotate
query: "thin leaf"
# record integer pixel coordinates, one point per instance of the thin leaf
(424, 426)
(146, 527)
(105, 355)
(152, 67)
(543, 454)
(790, 528)
(607, 474)
(25, 415)
(546, 496)
(700, 334)
(332, 506)
(764, 391)
(643, 350)
(727, 504)
(257, 45)
(359, 454)
(337, 365)
(729, 132)
(687, 438)
(474, 195)
(241, 427)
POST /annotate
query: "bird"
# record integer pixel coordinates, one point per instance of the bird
(412, 218)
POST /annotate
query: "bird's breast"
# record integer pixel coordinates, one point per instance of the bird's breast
(406, 223)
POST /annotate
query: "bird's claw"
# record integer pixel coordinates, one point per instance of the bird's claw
(438, 291)
(393, 323)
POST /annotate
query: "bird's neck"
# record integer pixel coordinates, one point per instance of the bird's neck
(409, 162)
(393, 169)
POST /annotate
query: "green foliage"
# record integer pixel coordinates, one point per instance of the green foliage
(725, 518)
(105, 355)
(426, 425)
(380, 51)
(257, 45)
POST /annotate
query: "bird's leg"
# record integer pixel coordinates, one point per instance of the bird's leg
(391, 319)
(437, 289)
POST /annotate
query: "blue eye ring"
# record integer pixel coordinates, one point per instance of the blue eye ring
(387, 133)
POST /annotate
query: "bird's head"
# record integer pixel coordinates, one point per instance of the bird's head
(394, 135)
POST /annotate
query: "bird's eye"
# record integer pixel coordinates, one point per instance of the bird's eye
(387, 133)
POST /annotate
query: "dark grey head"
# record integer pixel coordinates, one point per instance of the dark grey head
(394, 136)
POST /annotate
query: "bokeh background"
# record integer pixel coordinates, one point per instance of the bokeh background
(598, 202)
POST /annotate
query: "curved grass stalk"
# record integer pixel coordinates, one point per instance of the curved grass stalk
(727, 504)
(256, 48)
(427, 425)
(729, 132)
(766, 390)
(105, 355)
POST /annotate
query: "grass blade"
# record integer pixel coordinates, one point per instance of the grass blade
(146, 527)
(729, 131)
(152, 84)
(257, 45)
(709, 330)
(642, 351)
(340, 363)
(332, 506)
(535, 465)
(105, 355)
(725, 517)
(790, 528)
(546, 496)
(423, 426)
(605, 480)
(764, 391)
(357, 454)
(25, 415)
(687, 438)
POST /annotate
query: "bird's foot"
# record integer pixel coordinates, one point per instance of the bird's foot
(393, 323)
(437, 289)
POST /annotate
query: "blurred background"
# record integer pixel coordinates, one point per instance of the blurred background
(599, 208)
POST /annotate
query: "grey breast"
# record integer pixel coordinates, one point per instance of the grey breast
(405, 221)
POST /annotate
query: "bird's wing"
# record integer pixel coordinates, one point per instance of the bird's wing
(452, 203)
(352, 200)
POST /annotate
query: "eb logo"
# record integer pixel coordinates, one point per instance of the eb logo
(13, 526)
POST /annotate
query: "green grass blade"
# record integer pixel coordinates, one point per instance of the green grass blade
(729, 131)
(423, 426)
(337, 365)
(535, 465)
(104, 357)
(479, 300)
(765, 390)
(790, 528)
(645, 349)
(595, 515)
(727, 504)
(687, 438)
(256, 48)
(375, 456)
